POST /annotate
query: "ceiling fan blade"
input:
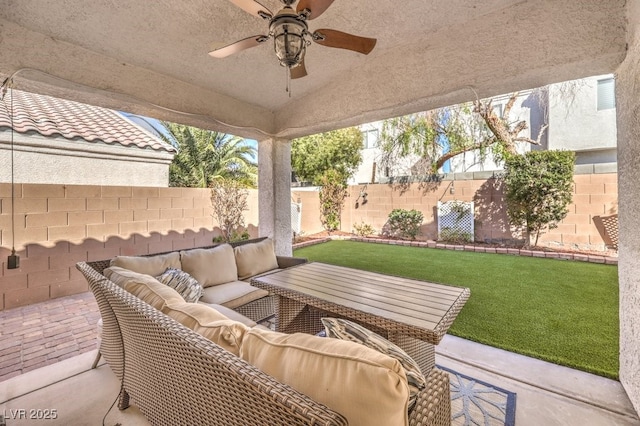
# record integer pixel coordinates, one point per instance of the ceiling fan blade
(333, 38)
(253, 7)
(298, 71)
(238, 46)
(316, 7)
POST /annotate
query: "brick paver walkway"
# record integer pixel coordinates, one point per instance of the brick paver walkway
(44, 333)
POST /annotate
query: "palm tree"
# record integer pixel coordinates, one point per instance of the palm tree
(205, 156)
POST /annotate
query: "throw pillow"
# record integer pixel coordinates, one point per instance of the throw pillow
(255, 258)
(364, 385)
(212, 266)
(346, 330)
(188, 287)
(149, 265)
(143, 286)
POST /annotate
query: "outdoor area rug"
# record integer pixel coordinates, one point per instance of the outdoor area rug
(474, 402)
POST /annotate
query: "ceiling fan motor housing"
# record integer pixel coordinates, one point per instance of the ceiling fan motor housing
(289, 33)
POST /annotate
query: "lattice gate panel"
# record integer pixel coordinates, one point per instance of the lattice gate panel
(456, 216)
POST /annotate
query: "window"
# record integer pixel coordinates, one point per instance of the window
(370, 138)
(497, 109)
(606, 94)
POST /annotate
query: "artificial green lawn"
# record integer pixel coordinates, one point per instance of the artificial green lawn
(565, 312)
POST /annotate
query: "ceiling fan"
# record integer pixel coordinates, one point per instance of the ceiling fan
(291, 34)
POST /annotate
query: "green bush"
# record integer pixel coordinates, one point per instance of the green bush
(539, 186)
(404, 223)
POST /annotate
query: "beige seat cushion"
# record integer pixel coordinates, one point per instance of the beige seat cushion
(231, 314)
(233, 294)
(209, 323)
(210, 266)
(255, 258)
(143, 286)
(365, 386)
(149, 265)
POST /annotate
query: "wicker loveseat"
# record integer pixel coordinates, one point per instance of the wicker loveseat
(177, 376)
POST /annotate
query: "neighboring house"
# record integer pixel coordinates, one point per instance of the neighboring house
(581, 117)
(65, 142)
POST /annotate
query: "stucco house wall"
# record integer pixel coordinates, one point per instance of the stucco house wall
(569, 109)
(59, 141)
(57, 160)
(576, 123)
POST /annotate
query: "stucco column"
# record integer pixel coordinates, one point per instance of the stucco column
(274, 193)
(628, 122)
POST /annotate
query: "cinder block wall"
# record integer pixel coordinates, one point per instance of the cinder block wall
(57, 226)
(595, 198)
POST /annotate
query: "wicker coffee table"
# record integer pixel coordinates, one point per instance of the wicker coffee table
(413, 314)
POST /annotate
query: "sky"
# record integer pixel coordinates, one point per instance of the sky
(155, 127)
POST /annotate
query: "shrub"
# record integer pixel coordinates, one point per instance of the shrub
(332, 195)
(363, 229)
(235, 236)
(229, 201)
(454, 235)
(539, 185)
(405, 223)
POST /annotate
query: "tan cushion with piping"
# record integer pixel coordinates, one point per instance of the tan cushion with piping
(233, 294)
(209, 323)
(149, 265)
(210, 266)
(255, 258)
(231, 314)
(362, 384)
(143, 286)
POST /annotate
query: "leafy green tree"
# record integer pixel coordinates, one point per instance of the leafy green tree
(205, 156)
(338, 150)
(539, 186)
(439, 135)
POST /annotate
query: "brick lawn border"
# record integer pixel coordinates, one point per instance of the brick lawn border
(591, 258)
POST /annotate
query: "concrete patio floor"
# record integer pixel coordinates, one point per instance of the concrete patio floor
(547, 394)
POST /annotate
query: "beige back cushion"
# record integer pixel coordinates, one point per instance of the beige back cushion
(143, 286)
(365, 386)
(255, 258)
(150, 265)
(209, 323)
(210, 266)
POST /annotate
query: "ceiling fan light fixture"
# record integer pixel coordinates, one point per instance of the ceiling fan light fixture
(289, 37)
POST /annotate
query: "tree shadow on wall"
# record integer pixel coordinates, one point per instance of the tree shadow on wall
(425, 183)
(492, 222)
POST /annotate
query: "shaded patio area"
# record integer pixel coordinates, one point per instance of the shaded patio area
(428, 56)
(546, 393)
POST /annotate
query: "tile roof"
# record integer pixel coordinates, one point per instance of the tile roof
(51, 116)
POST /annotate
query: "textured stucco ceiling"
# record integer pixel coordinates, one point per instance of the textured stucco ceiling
(151, 57)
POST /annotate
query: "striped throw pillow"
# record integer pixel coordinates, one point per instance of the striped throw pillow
(338, 328)
(188, 287)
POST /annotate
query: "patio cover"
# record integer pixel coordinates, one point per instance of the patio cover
(150, 58)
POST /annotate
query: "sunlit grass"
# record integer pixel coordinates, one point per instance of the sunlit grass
(564, 312)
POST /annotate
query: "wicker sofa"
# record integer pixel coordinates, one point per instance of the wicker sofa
(176, 375)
